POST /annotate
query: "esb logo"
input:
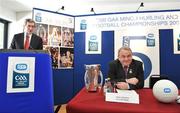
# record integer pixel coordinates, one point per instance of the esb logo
(21, 66)
(83, 25)
(167, 90)
(20, 78)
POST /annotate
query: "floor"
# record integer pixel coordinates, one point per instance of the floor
(62, 108)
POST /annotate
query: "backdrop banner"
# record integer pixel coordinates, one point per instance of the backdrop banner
(144, 43)
(139, 31)
(57, 32)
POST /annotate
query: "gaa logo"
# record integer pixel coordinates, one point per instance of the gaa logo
(167, 90)
(20, 77)
(20, 80)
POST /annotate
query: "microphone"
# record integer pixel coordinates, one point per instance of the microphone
(113, 84)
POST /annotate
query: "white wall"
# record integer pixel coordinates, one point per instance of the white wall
(7, 14)
(17, 25)
(16, 20)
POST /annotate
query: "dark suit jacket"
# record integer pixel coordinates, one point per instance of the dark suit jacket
(18, 42)
(117, 74)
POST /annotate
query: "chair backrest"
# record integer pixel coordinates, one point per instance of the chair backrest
(154, 78)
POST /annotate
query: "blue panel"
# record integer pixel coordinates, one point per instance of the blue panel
(41, 100)
(81, 58)
(63, 85)
(169, 62)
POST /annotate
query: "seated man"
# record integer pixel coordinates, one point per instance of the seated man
(126, 72)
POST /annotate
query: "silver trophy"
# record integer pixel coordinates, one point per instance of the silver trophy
(93, 77)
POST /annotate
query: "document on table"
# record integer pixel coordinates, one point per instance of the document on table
(124, 96)
(129, 92)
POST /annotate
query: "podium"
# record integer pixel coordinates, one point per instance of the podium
(21, 93)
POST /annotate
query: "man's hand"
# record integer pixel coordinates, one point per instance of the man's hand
(133, 81)
(122, 85)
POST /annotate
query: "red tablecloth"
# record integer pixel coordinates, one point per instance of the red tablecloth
(94, 102)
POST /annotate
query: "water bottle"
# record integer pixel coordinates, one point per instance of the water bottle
(107, 86)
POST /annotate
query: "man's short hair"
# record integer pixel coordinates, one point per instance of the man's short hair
(124, 48)
(30, 21)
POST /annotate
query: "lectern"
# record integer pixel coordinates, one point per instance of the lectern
(25, 82)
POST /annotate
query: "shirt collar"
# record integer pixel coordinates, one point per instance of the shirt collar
(26, 34)
(125, 66)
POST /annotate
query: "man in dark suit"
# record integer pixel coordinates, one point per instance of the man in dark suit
(27, 40)
(126, 72)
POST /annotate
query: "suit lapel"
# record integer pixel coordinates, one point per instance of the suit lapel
(32, 37)
(21, 41)
(131, 65)
(131, 68)
(32, 41)
(120, 69)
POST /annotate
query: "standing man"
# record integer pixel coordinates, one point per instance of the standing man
(27, 40)
(126, 72)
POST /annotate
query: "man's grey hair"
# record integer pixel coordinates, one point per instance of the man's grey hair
(124, 48)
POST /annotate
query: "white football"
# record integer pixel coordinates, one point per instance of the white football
(165, 91)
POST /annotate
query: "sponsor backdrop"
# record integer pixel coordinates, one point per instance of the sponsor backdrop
(98, 37)
(176, 34)
(144, 43)
(93, 42)
(57, 32)
(138, 31)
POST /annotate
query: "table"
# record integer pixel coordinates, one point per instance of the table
(94, 102)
